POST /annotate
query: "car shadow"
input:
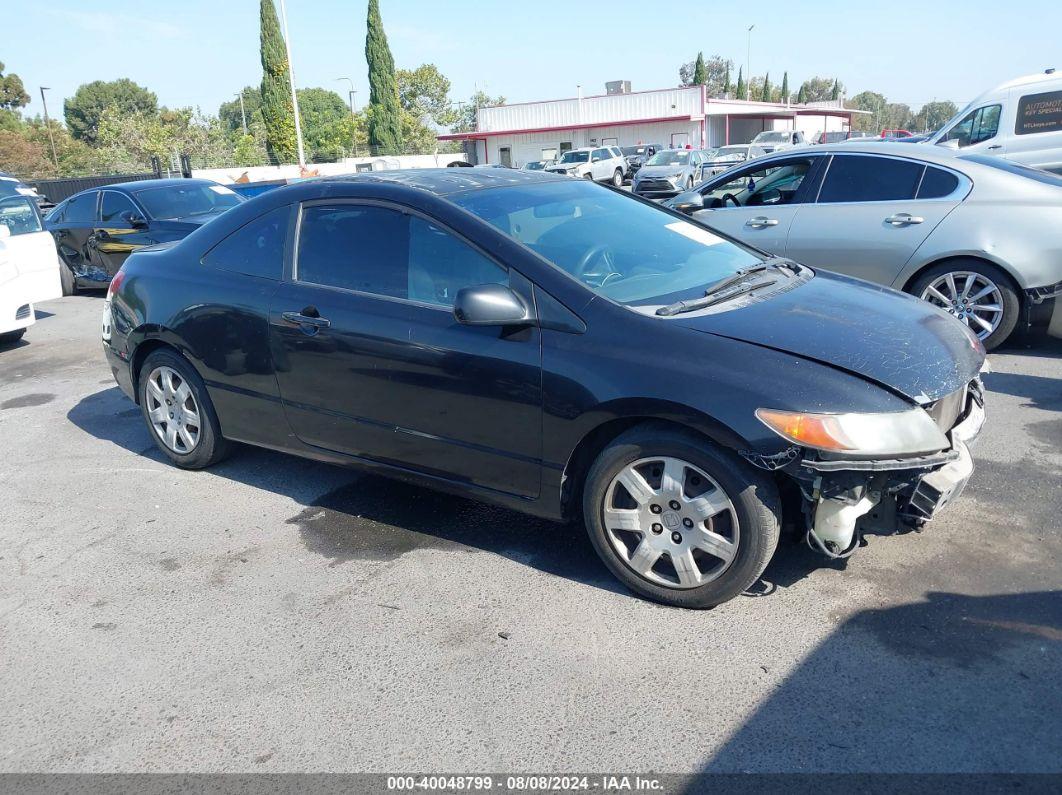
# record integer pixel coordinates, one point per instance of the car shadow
(950, 683)
(369, 517)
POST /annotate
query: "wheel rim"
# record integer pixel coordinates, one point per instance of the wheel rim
(173, 410)
(971, 297)
(670, 522)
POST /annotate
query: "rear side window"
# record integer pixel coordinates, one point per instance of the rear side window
(937, 183)
(1039, 113)
(81, 209)
(355, 247)
(256, 248)
(869, 179)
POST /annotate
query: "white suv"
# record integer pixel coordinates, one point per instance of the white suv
(776, 140)
(599, 163)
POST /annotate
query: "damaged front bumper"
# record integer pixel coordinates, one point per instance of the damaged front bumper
(843, 499)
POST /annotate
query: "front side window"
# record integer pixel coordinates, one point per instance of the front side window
(381, 251)
(187, 201)
(866, 178)
(19, 215)
(977, 126)
(112, 207)
(81, 209)
(256, 248)
(765, 186)
(629, 251)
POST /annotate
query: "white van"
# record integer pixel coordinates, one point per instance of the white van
(1020, 120)
(29, 264)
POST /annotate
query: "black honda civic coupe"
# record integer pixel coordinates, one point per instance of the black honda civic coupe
(560, 348)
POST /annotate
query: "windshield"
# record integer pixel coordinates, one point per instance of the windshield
(731, 153)
(184, 201)
(771, 138)
(626, 250)
(670, 157)
(574, 157)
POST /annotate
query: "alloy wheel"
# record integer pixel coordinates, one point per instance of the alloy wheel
(971, 297)
(173, 410)
(670, 522)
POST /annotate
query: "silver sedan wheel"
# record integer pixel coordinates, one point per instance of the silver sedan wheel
(670, 522)
(173, 410)
(971, 297)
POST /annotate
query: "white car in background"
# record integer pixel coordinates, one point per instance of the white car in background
(777, 140)
(29, 264)
(729, 156)
(599, 163)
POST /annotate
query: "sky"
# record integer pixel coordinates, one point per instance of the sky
(200, 52)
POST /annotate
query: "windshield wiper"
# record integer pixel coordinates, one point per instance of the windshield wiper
(714, 293)
(706, 301)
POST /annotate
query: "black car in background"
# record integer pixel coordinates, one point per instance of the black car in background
(96, 230)
(636, 157)
(563, 349)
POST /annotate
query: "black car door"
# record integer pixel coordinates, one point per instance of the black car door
(121, 230)
(72, 228)
(371, 362)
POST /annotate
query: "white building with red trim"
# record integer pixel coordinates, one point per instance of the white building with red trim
(672, 117)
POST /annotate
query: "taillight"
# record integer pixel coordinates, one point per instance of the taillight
(116, 284)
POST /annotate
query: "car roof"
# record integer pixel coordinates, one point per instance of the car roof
(444, 181)
(929, 153)
(142, 184)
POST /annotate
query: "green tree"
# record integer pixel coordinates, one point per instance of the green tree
(230, 115)
(278, 114)
(327, 128)
(700, 73)
(765, 92)
(835, 92)
(933, 115)
(425, 92)
(84, 110)
(875, 105)
(466, 113)
(785, 87)
(817, 89)
(12, 93)
(802, 94)
(726, 81)
(741, 91)
(385, 114)
(716, 74)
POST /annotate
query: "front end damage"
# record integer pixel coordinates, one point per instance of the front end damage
(844, 498)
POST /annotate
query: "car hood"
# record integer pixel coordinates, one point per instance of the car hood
(887, 337)
(660, 171)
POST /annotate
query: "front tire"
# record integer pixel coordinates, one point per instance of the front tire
(178, 412)
(67, 279)
(679, 519)
(977, 293)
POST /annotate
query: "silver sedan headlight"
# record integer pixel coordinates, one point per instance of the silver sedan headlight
(887, 434)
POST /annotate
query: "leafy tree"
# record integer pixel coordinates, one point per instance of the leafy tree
(741, 91)
(802, 94)
(327, 127)
(933, 115)
(873, 103)
(278, 114)
(12, 93)
(466, 113)
(385, 113)
(230, 115)
(765, 93)
(700, 73)
(785, 87)
(23, 157)
(425, 92)
(84, 110)
(716, 74)
(817, 89)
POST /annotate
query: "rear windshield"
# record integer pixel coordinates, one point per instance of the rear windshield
(1046, 177)
(20, 215)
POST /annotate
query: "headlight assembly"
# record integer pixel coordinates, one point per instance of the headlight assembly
(890, 434)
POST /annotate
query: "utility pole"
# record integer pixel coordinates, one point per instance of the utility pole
(243, 113)
(353, 116)
(748, 62)
(47, 124)
(294, 96)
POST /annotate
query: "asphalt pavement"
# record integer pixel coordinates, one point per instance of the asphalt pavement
(274, 614)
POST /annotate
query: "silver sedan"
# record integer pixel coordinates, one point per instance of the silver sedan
(978, 236)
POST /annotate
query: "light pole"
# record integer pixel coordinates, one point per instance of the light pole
(243, 113)
(294, 96)
(748, 63)
(51, 137)
(353, 118)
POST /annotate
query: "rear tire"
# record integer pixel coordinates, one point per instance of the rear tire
(934, 286)
(692, 562)
(178, 412)
(67, 280)
(617, 178)
(11, 337)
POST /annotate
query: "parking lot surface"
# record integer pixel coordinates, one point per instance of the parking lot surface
(275, 614)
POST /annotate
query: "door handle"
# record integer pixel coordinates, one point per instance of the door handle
(904, 219)
(994, 146)
(302, 319)
(759, 222)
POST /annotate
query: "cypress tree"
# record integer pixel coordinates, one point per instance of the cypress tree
(739, 92)
(385, 114)
(277, 111)
(802, 94)
(835, 92)
(785, 87)
(726, 84)
(765, 95)
(700, 73)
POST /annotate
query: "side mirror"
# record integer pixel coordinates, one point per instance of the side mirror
(133, 219)
(490, 305)
(689, 202)
(952, 143)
